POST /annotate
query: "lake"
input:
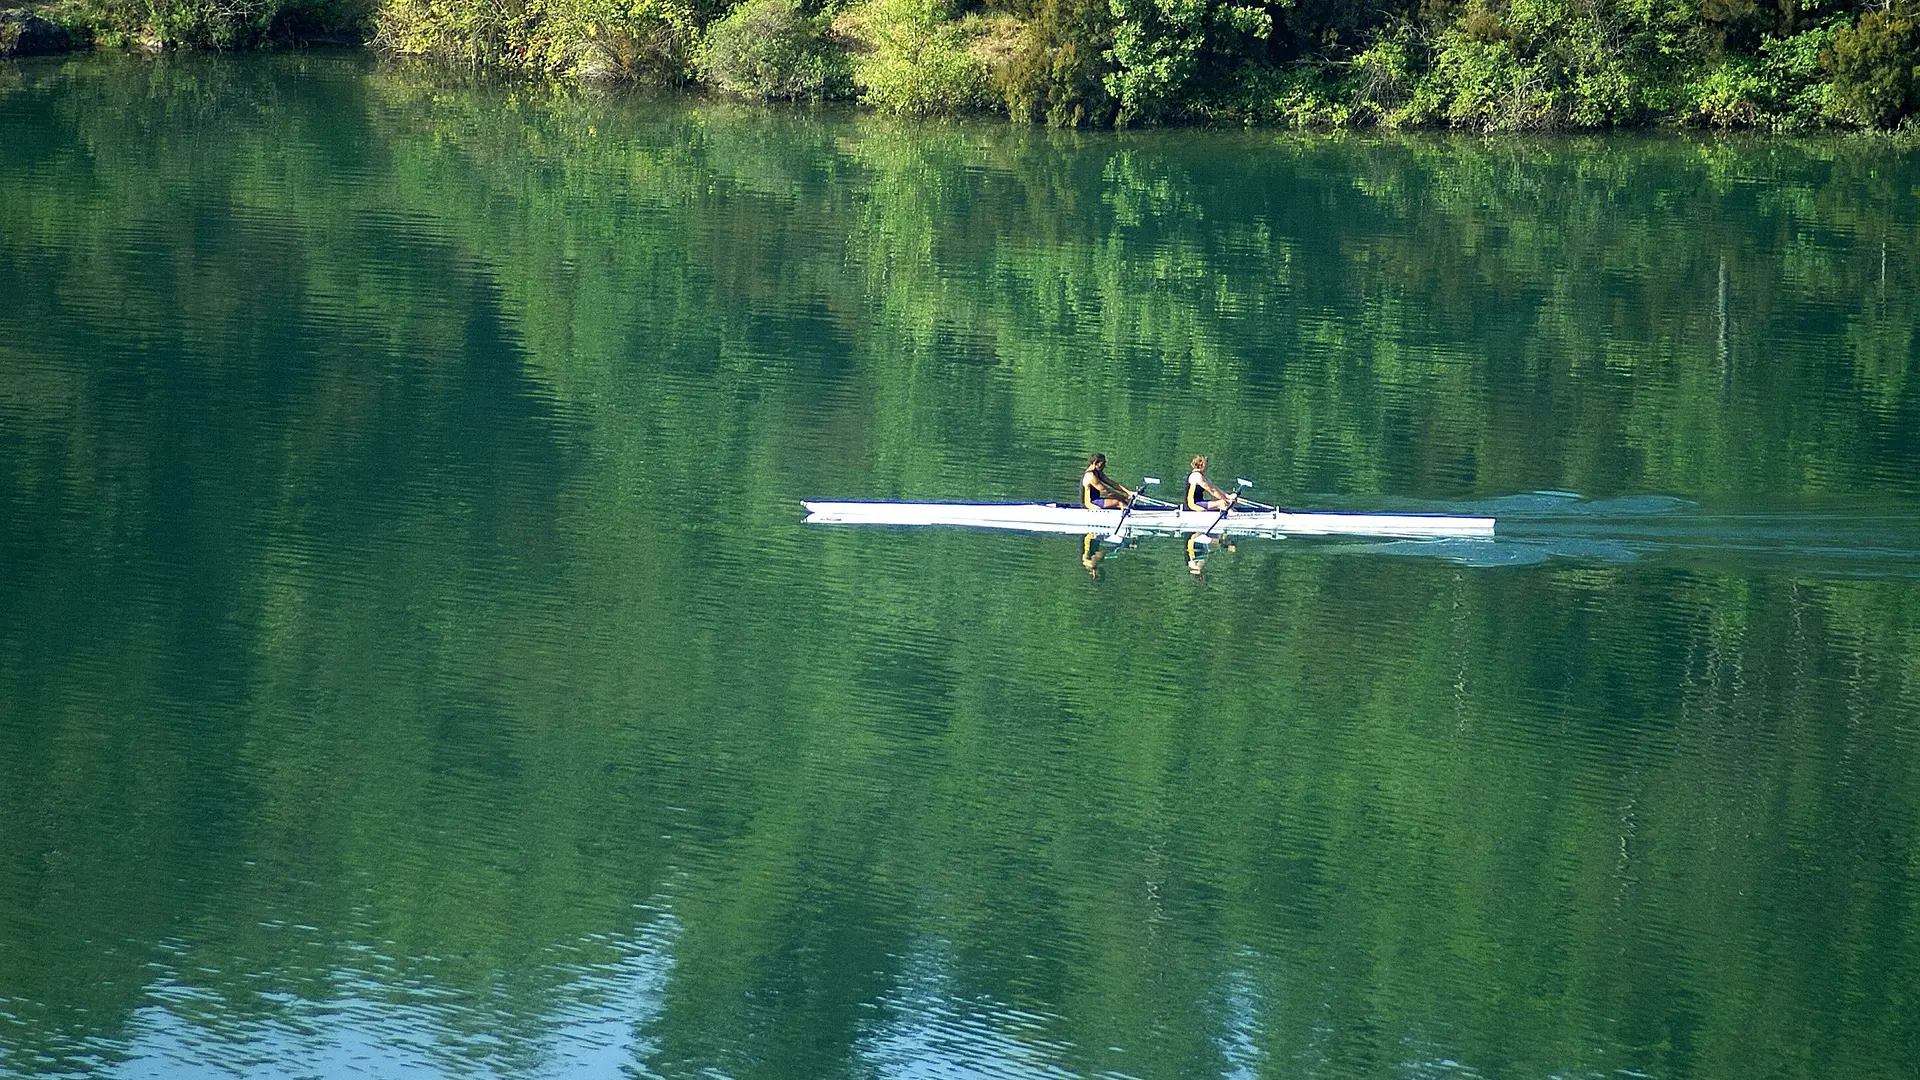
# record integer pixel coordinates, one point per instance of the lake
(413, 661)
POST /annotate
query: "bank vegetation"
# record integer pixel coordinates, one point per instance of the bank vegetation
(1481, 65)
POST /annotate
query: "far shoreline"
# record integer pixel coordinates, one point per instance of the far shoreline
(27, 37)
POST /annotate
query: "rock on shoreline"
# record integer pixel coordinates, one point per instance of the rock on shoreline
(22, 33)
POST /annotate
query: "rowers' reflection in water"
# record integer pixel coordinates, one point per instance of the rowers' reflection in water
(1199, 546)
(1092, 550)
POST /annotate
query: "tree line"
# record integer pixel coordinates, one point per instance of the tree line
(1480, 65)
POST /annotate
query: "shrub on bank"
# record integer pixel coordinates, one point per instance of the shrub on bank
(913, 57)
(1057, 67)
(1779, 90)
(637, 40)
(649, 41)
(455, 31)
(154, 25)
(1373, 88)
(1168, 53)
(1298, 95)
(774, 49)
(1876, 65)
(1733, 93)
(1541, 64)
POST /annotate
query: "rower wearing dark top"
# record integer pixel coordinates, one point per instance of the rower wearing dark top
(1201, 493)
(1097, 491)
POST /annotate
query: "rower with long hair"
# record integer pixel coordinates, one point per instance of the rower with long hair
(1201, 492)
(1098, 491)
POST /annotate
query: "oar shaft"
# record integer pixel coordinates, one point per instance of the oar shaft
(1139, 493)
(1224, 511)
(1114, 536)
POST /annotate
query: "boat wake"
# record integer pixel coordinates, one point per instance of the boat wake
(1846, 539)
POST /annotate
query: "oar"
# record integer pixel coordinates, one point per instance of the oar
(1242, 483)
(1249, 503)
(1145, 481)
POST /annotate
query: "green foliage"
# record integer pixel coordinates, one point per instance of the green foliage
(1162, 48)
(1799, 92)
(479, 34)
(155, 25)
(1058, 71)
(913, 57)
(774, 49)
(1780, 89)
(1387, 71)
(1300, 95)
(649, 41)
(214, 24)
(1371, 88)
(1339, 29)
(1537, 64)
(1734, 93)
(1876, 66)
(1477, 65)
(640, 40)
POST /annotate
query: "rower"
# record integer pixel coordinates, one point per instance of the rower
(1201, 494)
(1097, 491)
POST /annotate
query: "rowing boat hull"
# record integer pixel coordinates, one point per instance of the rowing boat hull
(1045, 517)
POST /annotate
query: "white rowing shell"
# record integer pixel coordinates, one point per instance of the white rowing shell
(1046, 517)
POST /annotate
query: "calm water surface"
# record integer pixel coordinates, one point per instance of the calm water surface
(412, 662)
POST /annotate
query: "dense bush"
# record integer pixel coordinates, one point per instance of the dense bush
(1876, 65)
(1551, 63)
(774, 49)
(1057, 71)
(1304, 94)
(914, 57)
(1164, 50)
(644, 40)
(1780, 89)
(206, 24)
(481, 34)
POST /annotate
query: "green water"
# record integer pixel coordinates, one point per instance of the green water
(412, 662)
